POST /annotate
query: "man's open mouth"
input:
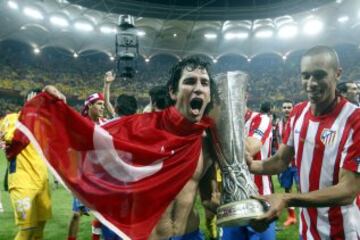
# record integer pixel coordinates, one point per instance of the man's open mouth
(196, 104)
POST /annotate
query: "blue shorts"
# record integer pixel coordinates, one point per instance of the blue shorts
(286, 177)
(78, 206)
(196, 235)
(108, 234)
(247, 233)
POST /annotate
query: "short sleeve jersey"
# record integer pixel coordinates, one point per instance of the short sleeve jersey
(323, 145)
(27, 170)
(259, 126)
(279, 135)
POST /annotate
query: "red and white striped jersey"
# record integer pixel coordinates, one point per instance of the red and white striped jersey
(323, 145)
(259, 126)
(280, 126)
(279, 135)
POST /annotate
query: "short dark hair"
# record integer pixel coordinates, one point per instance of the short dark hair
(287, 101)
(343, 87)
(191, 63)
(125, 105)
(159, 97)
(321, 49)
(265, 107)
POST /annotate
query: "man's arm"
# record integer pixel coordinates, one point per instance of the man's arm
(273, 165)
(260, 130)
(108, 79)
(343, 193)
(209, 194)
(252, 145)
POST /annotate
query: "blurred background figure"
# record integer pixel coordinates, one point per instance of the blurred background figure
(290, 175)
(93, 110)
(28, 179)
(125, 104)
(350, 91)
(158, 99)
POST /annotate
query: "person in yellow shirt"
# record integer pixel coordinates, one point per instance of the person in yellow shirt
(27, 181)
(2, 146)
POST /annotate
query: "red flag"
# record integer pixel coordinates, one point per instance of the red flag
(128, 171)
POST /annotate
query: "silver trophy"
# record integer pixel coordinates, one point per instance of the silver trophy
(236, 209)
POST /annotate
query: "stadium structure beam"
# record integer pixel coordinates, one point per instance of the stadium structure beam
(233, 11)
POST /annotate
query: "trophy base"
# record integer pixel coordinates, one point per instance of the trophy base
(239, 213)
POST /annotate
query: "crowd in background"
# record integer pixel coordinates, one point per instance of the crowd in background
(271, 77)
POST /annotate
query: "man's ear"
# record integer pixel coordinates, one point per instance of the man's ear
(338, 73)
(172, 94)
(90, 105)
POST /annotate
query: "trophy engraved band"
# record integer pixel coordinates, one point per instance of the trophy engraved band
(237, 208)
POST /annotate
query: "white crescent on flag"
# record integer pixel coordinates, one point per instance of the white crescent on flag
(115, 162)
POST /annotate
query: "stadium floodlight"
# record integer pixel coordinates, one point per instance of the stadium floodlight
(84, 26)
(107, 29)
(59, 21)
(313, 26)
(210, 35)
(13, 5)
(141, 33)
(236, 35)
(33, 13)
(343, 19)
(36, 50)
(266, 33)
(287, 31)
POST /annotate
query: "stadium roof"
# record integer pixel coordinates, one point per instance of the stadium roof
(203, 9)
(65, 24)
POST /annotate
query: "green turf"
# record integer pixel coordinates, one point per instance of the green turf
(57, 227)
(291, 232)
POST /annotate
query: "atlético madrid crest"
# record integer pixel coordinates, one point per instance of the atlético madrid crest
(327, 136)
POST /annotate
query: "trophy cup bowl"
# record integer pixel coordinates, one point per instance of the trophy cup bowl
(237, 208)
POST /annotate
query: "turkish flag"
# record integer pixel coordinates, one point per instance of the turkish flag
(127, 171)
